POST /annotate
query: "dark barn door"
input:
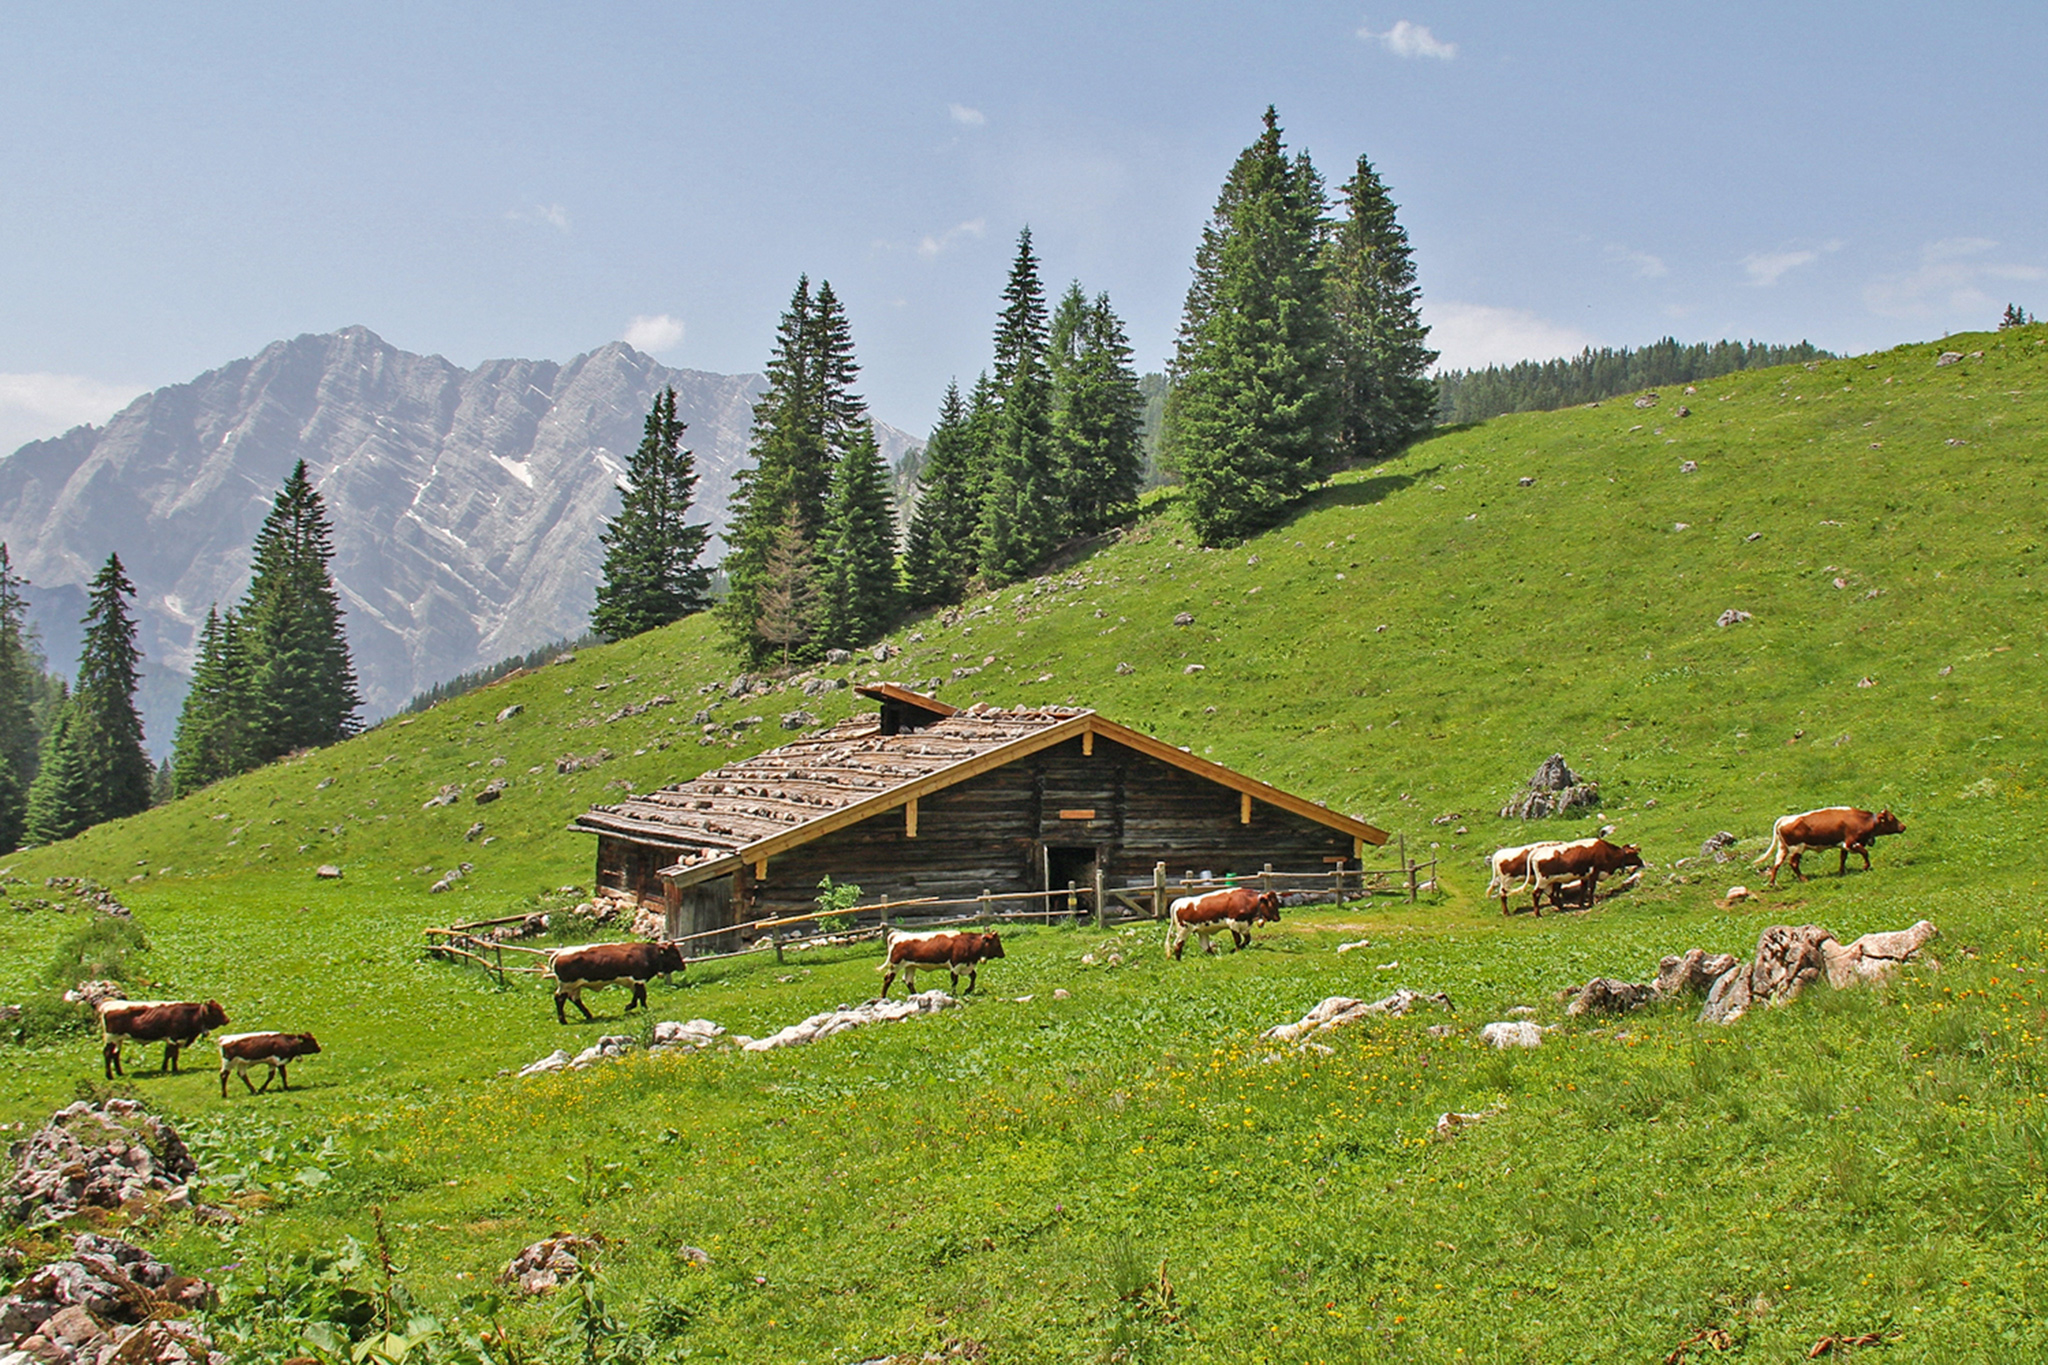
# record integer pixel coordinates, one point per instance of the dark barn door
(1070, 863)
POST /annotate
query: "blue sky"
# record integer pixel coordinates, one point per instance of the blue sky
(181, 185)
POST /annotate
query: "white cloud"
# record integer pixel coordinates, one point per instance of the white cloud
(967, 117)
(554, 215)
(1471, 336)
(1767, 267)
(1949, 283)
(1642, 263)
(1411, 40)
(657, 333)
(929, 247)
(36, 406)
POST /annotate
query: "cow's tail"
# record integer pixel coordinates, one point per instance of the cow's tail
(1777, 841)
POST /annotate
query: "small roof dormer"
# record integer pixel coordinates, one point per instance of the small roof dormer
(903, 709)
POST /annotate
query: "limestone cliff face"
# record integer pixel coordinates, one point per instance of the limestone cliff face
(466, 504)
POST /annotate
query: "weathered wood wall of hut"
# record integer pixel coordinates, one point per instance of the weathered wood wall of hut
(629, 868)
(990, 832)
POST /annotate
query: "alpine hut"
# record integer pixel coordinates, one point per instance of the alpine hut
(921, 799)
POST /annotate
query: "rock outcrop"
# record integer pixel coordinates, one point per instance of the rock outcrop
(97, 1156)
(1553, 790)
(1787, 960)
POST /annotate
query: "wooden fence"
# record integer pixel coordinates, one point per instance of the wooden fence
(1100, 903)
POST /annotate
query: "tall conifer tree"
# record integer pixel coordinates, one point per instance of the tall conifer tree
(1097, 412)
(861, 593)
(63, 800)
(788, 598)
(19, 741)
(803, 423)
(651, 573)
(214, 726)
(1251, 414)
(1385, 395)
(303, 684)
(938, 556)
(1021, 505)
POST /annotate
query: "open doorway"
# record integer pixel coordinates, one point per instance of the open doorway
(1073, 864)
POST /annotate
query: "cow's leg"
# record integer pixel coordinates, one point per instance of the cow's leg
(284, 1080)
(1794, 857)
(1864, 849)
(224, 1078)
(639, 996)
(560, 1017)
(267, 1079)
(170, 1058)
(888, 980)
(973, 968)
(110, 1056)
(1843, 869)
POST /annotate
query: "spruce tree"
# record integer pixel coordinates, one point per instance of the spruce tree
(803, 423)
(651, 574)
(214, 726)
(1021, 508)
(939, 553)
(1097, 412)
(861, 595)
(13, 807)
(303, 685)
(63, 799)
(19, 741)
(788, 596)
(1251, 417)
(1385, 396)
(107, 729)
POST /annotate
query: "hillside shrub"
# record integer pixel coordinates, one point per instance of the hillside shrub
(97, 950)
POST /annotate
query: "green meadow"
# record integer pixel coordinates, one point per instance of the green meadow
(1130, 1173)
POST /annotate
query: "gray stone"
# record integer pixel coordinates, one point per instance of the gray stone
(1717, 846)
(1732, 617)
(798, 720)
(1948, 357)
(1125, 670)
(514, 709)
(1552, 790)
(327, 872)
(1184, 619)
(493, 789)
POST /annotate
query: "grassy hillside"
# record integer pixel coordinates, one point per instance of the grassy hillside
(1004, 1182)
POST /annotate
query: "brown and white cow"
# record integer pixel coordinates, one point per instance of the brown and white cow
(1581, 861)
(593, 966)
(176, 1024)
(240, 1051)
(1236, 909)
(1843, 827)
(935, 948)
(1511, 870)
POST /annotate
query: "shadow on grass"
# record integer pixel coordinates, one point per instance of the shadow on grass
(1362, 493)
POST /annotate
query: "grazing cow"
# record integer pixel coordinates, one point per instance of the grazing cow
(240, 1051)
(1236, 909)
(174, 1023)
(597, 965)
(1511, 870)
(1843, 827)
(936, 948)
(1581, 861)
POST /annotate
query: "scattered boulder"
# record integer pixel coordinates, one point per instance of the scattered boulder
(470, 835)
(1875, 957)
(1684, 411)
(1605, 995)
(327, 872)
(696, 1035)
(108, 1302)
(1788, 959)
(1514, 1033)
(607, 1048)
(1553, 790)
(1689, 466)
(1449, 1125)
(1648, 400)
(543, 1266)
(94, 992)
(100, 1155)
(1338, 1010)
(1731, 617)
(839, 1020)
(563, 659)
(514, 709)
(1948, 357)
(447, 796)
(838, 657)
(740, 686)
(558, 1060)
(1526, 481)
(572, 763)
(1717, 846)
(798, 720)
(1184, 619)
(1124, 670)
(1192, 669)
(1736, 896)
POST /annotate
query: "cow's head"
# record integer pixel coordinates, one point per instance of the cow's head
(212, 1016)
(1887, 823)
(1631, 856)
(668, 957)
(1267, 908)
(304, 1044)
(991, 945)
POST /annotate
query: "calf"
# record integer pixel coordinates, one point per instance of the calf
(174, 1023)
(1581, 861)
(1236, 909)
(936, 948)
(1843, 827)
(597, 965)
(240, 1051)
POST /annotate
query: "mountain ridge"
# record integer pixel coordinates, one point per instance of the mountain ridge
(466, 503)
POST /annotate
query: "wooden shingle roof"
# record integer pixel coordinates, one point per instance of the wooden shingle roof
(756, 808)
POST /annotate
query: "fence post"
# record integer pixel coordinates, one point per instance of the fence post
(778, 952)
(1073, 902)
(1159, 891)
(1266, 878)
(1411, 883)
(987, 909)
(1101, 906)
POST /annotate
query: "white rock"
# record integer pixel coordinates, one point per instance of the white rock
(1520, 1033)
(554, 1061)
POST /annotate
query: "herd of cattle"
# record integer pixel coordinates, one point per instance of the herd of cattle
(1566, 871)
